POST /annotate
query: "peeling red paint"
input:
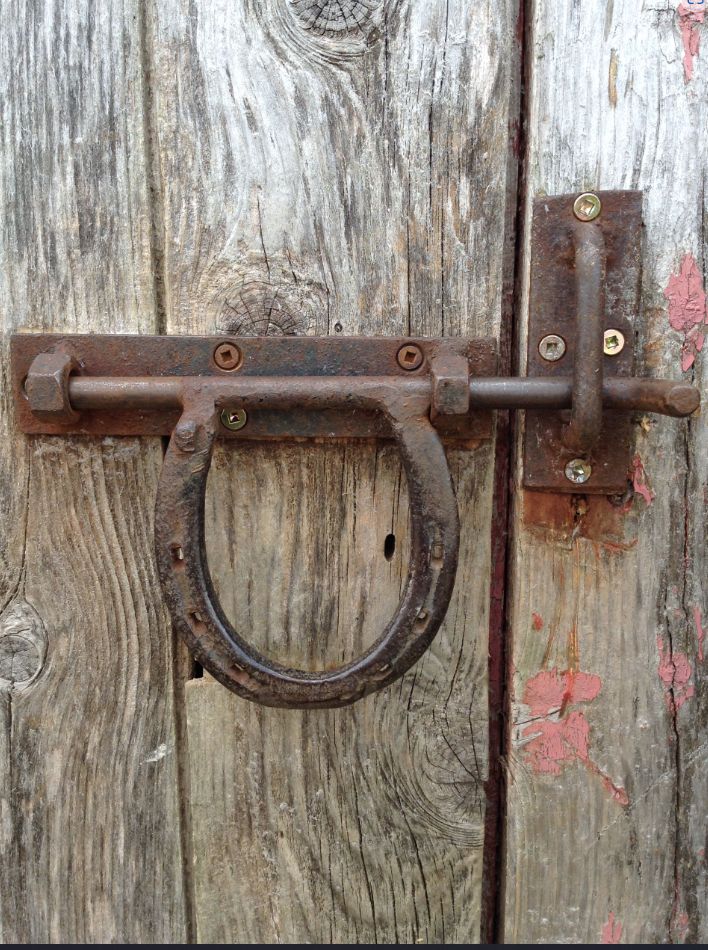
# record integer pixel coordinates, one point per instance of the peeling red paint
(612, 930)
(687, 309)
(639, 481)
(537, 621)
(616, 791)
(675, 673)
(553, 738)
(679, 926)
(689, 21)
(700, 632)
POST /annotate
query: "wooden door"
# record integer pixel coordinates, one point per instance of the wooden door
(346, 167)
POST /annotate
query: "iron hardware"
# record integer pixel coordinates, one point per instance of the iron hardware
(419, 392)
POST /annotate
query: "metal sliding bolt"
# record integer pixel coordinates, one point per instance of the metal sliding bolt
(587, 207)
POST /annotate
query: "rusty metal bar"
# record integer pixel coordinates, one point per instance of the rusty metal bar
(666, 397)
(585, 424)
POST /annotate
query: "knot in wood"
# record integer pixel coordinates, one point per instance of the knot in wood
(262, 309)
(23, 646)
(336, 18)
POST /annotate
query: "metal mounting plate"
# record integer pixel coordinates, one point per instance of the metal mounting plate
(552, 309)
(161, 356)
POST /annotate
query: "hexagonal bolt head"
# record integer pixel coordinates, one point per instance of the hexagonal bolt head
(587, 207)
(552, 348)
(613, 342)
(228, 356)
(410, 357)
(47, 387)
(578, 471)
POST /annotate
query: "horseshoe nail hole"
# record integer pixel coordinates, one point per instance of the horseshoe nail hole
(197, 618)
(177, 552)
(338, 327)
(421, 620)
(389, 546)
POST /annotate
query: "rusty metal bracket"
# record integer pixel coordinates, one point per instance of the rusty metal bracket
(417, 392)
(583, 313)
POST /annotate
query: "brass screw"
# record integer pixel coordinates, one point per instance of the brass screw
(614, 342)
(578, 471)
(410, 357)
(234, 419)
(587, 207)
(228, 356)
(552, 347)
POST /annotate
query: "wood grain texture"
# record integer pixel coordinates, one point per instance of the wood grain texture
(89, 818)
(324, 175)
(607, 766)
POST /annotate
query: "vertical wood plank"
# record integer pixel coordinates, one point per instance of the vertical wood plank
(337, 169)
(607, 771)
(89, 818)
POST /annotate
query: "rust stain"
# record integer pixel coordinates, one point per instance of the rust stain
(537, 621)
(565, 518)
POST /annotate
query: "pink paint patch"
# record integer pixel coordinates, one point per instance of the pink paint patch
(555, 743)
(537, 621)
(691, 38)
(639, 481)
(700, 632)
(553, 739)
(612, 931)
(675, 673)
(687, 309)
(548, 690)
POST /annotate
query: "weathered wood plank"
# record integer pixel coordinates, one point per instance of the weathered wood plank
(607, 793)
(330, 173)
(89, 818)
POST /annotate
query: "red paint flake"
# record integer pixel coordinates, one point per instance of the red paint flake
(679, 926)
(554, 737)
(548, 690)
(700, 632)
(537, 621)
(612, 931)
(639, 481)
(687, 309)
(689, 21)
(675, 673)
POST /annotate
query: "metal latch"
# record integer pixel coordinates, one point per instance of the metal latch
(416, 391)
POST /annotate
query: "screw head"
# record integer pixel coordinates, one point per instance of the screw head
(410, 357)
(234, 419)
(228, 356)
(587, 207)
(613, 342)
(552, 347)
(578, 471)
